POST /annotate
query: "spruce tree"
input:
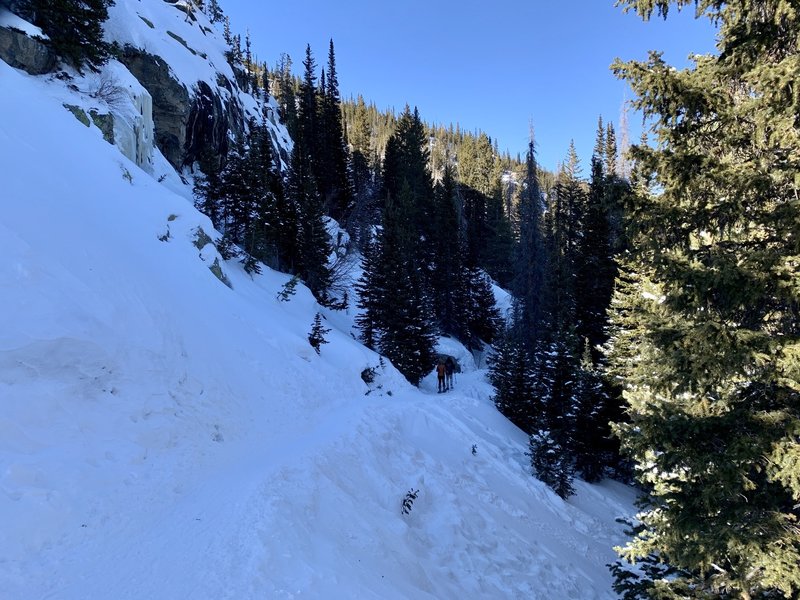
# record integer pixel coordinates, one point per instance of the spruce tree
(449, 296)
(591, 432)
(261, 235)
(511, 372)
(406, 164)
(316, 336)
(406, 337)
(331, 172)
(551, 462)
(558, 355)
(75, 29)
(708, 332)
(529, 277)
(595, 267)
(371, 289)
(312, 247)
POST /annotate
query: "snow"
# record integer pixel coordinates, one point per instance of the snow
(165, 436)
(192, 46)
(12, 21)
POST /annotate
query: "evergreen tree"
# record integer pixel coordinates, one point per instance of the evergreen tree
(482, 317)
(511, 372)
(307, 118)
(331, 171)
(261, 236)
(591, 433)
(286, 90)
(364, 185)
(312, 247)
(529, 277)
(406, 337)
(317, 335)
(406, 164)
(558, 360)
(595, 267)
(74, 29)
(551, 463)
(236, 198)
(449, 296)
(500, 244)
(309, 253)
(371, 289)
(207, 187)
(215, 13)
(610, 151)
(708, 332)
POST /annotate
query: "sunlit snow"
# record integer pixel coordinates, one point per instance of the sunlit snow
(164, 436)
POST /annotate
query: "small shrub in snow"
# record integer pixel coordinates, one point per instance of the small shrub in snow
(108, 89)
(317, 336)
(288, 290)
(408, 501)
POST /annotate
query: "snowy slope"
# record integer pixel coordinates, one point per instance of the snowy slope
(164, 436)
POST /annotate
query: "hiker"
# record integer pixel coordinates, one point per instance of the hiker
(440, 372)
(449, 368)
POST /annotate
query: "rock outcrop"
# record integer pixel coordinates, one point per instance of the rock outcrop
(26, 53)
(187, 122)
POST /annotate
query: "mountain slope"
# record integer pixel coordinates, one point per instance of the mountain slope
(163, 435)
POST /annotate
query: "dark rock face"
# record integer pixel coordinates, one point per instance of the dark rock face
(26, 53)
(171, 101)
(210, 122)
(187, 122)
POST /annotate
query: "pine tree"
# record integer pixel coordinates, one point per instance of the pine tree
(529, 282)
(286, 94)
(449, 296)
(364, 184)
(312, 246)
(310, 251)
(708, 320)
(481, 315)
(406, 164)
(558, 356)
(216, 15)
(595, 268)
(611, 151)
(371, 289)
(75, 29)
(551, 462)
(591, 433)
(511, 372)
(317, 335)
(406, 337)
(261, 235)
(206, 188)
(331, 172)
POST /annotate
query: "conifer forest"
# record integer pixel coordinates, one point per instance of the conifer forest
(654, 335)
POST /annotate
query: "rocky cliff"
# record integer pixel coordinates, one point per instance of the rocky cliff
(169, 91)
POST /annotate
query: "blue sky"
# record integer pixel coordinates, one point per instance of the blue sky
(493, 66)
